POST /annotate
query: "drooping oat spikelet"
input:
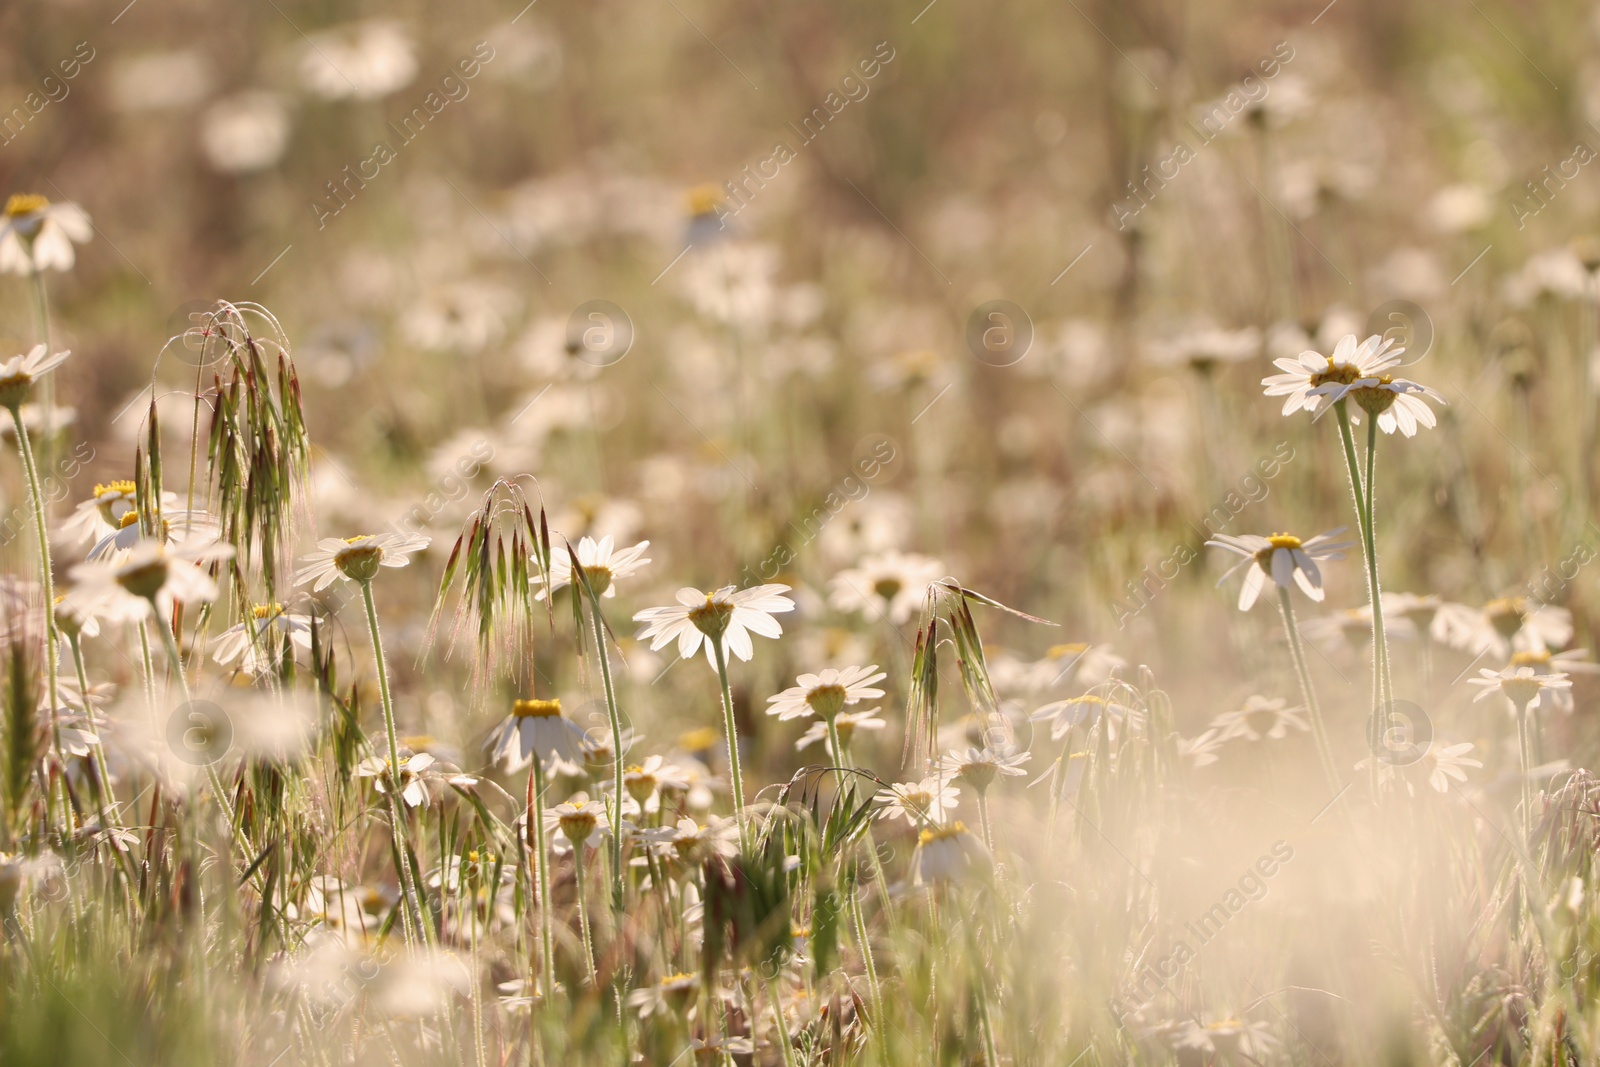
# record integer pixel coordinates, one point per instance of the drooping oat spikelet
(258, 445)
(502, 549)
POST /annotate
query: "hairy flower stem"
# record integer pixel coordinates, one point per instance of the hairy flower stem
(1525, 754)
(411, 905)
(1379, 638)
(732, 729)
(47, 391)
(583, 912)
(1307, 691)
(618, 872)
(1368, 554)
(541, 857)
(47, 579)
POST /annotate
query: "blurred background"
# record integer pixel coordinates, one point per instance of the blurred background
(798, 220)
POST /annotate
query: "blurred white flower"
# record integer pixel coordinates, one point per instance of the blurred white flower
(245, 133)
(363, 61)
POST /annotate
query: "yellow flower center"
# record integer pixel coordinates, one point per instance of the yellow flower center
(129, 519)
(698, 740)
(25, 204)
(941, 833)
(266, 611)
(704, 200)
(1531, 659)
(117, 488)
(1284, 540)
(359, 561)
(826, 700)
(1343, 373)
(711, 618)
(1076, 648)
(537, 709)
(888, 588)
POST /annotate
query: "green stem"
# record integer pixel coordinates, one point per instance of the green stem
(47, 579)
(618, 874)
(1524, 751)
(1352, 468)
(733, 741)
(783, 1028)
(411, 906)
(47, 394)
(547, 952)
(1379, 637)
(983, 817)
(583, 913)
(1307, 691)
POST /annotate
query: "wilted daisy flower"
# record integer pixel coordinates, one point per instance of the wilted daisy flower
(979, 767)
(537, 728)
(919, 802)
(576, 822)
(357, 558)
(247, 639)
(728, 615)
(1281, 558)
(150, 575)
(890, 585)
(361, 62)
(847, 723)
(1523, 686)
(599, 562)
(828, 693)
(1261, 717)
(1307, 376)
(19, 373)
(949, 854)
(38, 235)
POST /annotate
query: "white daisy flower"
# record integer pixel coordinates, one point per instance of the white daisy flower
(151, 576)
(1065, 715)
(949, 854)
(828, 693)
(104, 512)
(979, 767)
(1395, 402)
(1438, 766)
(417, 773)
(1226, 1037)
(694, 843)
(1502, 626)
(1523, 686)
(1261, 717)
(891, 585)
(1200, 751)
(191, 528)
(1282, 558)
(537, 728)
(675, 993)
(847, 723)
(929, 800)
(643, 781)
(729, 615)
(365, 61)
(38, 235)
(236, 641)
(576, 822)
(1076, 662)
(1307, 375)
(357, 558)
(18, 373)
(1545, 663)
(600, 563)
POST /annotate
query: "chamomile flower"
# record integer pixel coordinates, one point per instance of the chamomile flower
(729, 615)
(1282, 558)
(694, 843)
(979, 767)
(38, 235)
(1200, 751)
(1502, 626)
(1545, 663)
(576, 822)
(919, 802)
(150, 577)
(1261, 717)
(949, 854)
(247, 640)
(1437, 767)
(1523, 686)
(674, 993)
(1078, 662)
(103, 512)
(891, 585)
(847, 723)
(417, 772)
(192, 528)
(537, 728)
(1226, 1037)
(1395, 402)
(599, 562)
(828, 693)
(19, 373)
(643, 781)
(357, 558)
(1306, 377)
(1065, 715)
